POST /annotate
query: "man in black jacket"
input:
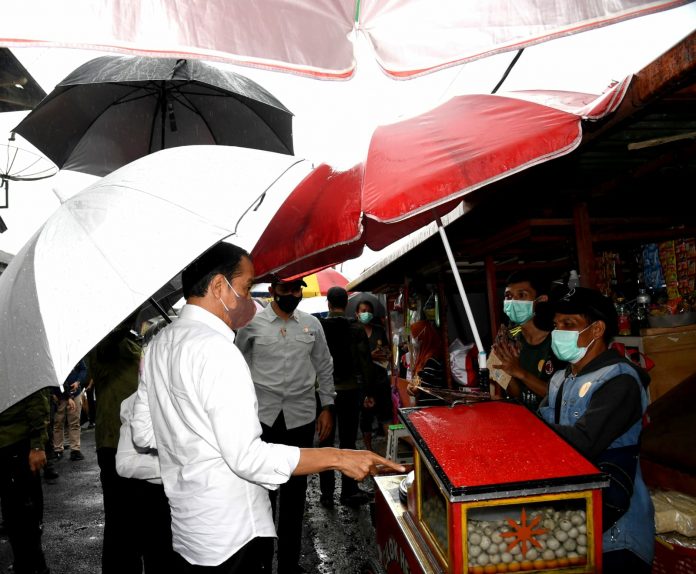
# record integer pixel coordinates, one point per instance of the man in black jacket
(23, 435)
(353, 380)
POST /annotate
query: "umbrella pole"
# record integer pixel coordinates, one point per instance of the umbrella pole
(483, 369)
(160, 310)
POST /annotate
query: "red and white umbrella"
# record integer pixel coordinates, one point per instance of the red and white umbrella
(312, 37)
(319, 283)
(417, 171)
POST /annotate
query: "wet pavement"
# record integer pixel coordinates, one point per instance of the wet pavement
(335, 540)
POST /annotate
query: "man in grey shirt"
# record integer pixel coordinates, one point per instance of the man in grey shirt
(287, 353)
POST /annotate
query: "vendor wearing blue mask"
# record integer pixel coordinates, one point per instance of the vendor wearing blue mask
(527, 356)
(597, 404)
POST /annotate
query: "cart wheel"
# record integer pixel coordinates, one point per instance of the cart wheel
(372, 566)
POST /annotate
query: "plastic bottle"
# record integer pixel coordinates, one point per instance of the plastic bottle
(624, 317)
(573, 280)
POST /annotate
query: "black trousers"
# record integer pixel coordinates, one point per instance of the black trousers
(290, 497)
(22, 508)
(347, 405)
(252, 558)
(137, 522)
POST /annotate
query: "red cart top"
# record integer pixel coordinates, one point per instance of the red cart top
(496, 446)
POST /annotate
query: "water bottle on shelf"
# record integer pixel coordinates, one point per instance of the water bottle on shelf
(573, 280)
(624, 317)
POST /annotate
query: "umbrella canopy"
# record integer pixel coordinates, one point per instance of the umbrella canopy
(320, 282)
(18, 90)
(106, 250)
(315, 38)
(420, 169)
(115, 109)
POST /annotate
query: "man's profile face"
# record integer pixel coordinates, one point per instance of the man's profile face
(522, 291)
(363, 308)
(243, 282)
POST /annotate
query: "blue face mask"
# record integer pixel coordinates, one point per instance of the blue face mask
(518, 311)
(365, 317)
(565, 345)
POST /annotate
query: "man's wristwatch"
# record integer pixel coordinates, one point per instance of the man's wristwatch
(330, 408)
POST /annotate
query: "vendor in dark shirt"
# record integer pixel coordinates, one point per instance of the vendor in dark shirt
(527, 357)
(597, 404)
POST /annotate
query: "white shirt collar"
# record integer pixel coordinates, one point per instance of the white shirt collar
(198, 313)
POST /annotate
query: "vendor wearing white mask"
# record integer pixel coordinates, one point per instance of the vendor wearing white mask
(597, 405)
(527, 358)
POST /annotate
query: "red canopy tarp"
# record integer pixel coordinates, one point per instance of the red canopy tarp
(420, 169)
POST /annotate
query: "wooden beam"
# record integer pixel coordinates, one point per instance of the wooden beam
(583, 239)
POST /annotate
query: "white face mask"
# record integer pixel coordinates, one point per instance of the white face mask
(564, 344)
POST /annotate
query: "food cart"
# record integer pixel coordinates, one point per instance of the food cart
(494, 490)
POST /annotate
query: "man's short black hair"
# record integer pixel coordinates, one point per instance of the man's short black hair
(592, 305)
(297, 282)
(221, 258)
(337, 297)
(538, 281)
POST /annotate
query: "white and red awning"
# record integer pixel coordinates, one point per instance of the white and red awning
(311, 37)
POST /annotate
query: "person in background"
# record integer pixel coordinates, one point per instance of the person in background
(353, 377)
(129, 542)
(378, 404)
(286, 351)
(527, 356)
(197, 405)
(427, 362)
(597, 405)
(23, 435)
(91, 405)
(69, 405)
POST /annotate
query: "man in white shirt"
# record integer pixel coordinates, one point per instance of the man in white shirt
(196, 404)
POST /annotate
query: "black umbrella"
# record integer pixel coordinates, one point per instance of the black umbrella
(115, 109)
(18, 90)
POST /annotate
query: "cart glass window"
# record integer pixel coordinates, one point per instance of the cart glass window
(433, 510)
(544, 535)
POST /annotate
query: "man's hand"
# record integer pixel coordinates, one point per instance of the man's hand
(37, 460)
(71, 405)
(358, 464)
(73, 386)
(509, 357)
(324, 424)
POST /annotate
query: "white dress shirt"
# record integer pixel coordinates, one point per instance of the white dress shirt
(286, 358)
(196, 404)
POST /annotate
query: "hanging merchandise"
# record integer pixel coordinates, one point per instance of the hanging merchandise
(430, 308)
(668, 261)
(652, 270)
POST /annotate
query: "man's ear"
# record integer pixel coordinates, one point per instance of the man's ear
(215, 285)
(598, 329)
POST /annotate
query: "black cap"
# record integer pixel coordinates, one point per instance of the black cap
(591, 303)
(275, 280)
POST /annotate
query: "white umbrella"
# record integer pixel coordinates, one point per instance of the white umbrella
(107, 249)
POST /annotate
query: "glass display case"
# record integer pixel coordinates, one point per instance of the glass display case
(496, 490)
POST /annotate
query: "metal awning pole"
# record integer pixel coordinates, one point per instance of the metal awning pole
(462, 294)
